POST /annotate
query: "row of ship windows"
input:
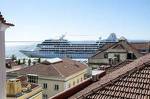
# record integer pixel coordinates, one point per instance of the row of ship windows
(69, 46)
(62, 43)
(69, 55)
(45, 50)
(60, 52)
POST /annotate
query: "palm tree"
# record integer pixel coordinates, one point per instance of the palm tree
(39, 60)
(18, 62)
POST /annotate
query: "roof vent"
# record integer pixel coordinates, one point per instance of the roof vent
(54, 60)
(51, 61)
(96, 74)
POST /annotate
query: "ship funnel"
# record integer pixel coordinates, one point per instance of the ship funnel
(112, 37)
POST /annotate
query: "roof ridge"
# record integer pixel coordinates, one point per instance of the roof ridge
(128, 44)
(104, 49)
(133, 48)
(57, 70)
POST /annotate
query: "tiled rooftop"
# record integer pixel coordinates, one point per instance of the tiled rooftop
(2, 20)
(128, 82)
(64, 68)
(121, 44)
(137, 45)
(132, 86)
(117, 66)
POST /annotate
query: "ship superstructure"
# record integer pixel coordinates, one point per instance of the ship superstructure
(62, 48)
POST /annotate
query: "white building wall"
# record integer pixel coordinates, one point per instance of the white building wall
(2, 61)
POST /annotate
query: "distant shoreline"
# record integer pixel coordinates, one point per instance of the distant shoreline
(23, 41)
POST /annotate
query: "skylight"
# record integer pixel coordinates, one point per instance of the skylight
(54, 60)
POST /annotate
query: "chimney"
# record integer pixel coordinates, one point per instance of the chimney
(122, 39)
(97, 74)
(14, 88)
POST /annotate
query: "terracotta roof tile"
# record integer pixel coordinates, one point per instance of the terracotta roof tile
(129, 81)
(25, 83)
(2, 20)
(125, 44)
(64, 68)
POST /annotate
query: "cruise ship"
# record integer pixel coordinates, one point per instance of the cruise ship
(62, 48)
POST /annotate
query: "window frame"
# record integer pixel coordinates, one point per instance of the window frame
(56, 87)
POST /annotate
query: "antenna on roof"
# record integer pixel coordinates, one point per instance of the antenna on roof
(62, 36)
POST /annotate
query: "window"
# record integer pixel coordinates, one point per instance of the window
(73, 83)
(142, 50)
(105, 55)
(81, 79)
(117, 57)
(77, 80)
(56, 87)
(45, 96)
(32, 78)
(131, 56)
(45, 86)
(69, 85)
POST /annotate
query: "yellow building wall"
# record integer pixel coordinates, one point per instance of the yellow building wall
(36, 93)
(50, 91)
(63, 83)
(75, 79)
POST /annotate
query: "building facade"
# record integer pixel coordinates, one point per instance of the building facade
(18, 89)
(54, 77)
(114, 54)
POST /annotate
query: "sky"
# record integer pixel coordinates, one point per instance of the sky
(37, 20)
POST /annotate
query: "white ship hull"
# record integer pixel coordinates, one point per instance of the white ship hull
(34, 54)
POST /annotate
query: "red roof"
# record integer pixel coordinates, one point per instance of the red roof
(114, 76)
(64, 68)
(4, 21)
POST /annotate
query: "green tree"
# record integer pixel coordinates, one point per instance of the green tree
(13, 57)
(24, 61)
(29, 62)
(18, 62)
(39, 60)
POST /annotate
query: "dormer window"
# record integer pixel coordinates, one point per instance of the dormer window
(32, 78)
